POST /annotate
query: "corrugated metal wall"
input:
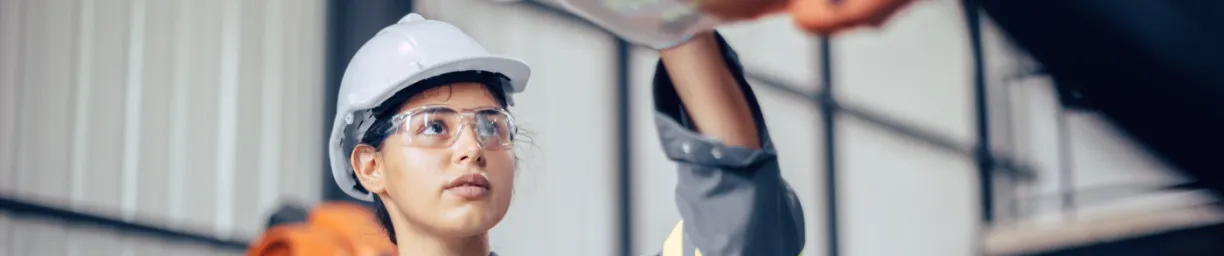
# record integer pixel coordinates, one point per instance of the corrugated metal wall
(192, 114)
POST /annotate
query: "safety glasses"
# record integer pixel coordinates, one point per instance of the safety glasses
(437, 126)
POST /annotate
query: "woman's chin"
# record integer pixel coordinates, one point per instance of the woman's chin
(468, 220)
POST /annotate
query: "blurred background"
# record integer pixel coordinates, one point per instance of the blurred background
(177, 127)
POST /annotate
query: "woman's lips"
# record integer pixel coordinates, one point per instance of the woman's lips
(469, 186)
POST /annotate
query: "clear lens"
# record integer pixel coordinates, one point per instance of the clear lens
(494, 129)
(433, 127)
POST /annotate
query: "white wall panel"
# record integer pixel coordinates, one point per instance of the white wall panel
(773, 46)
(203, 82)
(899, 197)
(47, 67)
(148, 246)
(312, 22)
(99, 115)
(248, 94)
(7, 227)
(38, 236)
(88, 240)
(301, 64)
(11, 20)
(653, 176)
(155, 111)
(47, 62)
(565, 201)
(271, 114)
(894, 190)
(917, 68)
(292, 164)
(10, 45)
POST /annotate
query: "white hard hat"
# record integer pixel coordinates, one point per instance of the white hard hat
(412, 50)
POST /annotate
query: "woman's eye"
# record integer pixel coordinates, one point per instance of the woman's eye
(433, 128)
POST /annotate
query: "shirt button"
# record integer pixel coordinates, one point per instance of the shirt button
(686, 148)
(716, 153)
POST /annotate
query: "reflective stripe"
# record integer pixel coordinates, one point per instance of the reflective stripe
(674, 245)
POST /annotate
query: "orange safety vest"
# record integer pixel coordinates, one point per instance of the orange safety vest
(333, 228)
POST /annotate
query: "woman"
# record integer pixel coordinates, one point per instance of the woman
(422, 130)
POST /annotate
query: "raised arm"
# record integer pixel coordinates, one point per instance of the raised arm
(731, 195)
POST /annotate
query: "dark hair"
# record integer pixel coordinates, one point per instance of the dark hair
(381, 128)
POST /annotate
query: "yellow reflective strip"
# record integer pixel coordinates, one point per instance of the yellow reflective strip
(674, 245)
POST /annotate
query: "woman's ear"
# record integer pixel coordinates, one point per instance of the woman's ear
(368, 169)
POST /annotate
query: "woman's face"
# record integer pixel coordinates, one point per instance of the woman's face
(441, 189)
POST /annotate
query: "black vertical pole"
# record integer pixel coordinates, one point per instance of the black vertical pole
(828, 111)
(349, 25)
(983, 157)
(624, 146)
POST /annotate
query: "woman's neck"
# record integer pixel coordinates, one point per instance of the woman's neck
(412, 243)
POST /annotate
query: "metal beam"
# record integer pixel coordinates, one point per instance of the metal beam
(982, 154)
(624, 146)
(828, 114)
(28, 208)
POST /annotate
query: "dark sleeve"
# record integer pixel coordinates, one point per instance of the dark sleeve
(732, 200)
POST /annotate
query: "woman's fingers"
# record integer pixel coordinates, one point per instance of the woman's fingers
(828, 17)
(815, 16)
(742, 9)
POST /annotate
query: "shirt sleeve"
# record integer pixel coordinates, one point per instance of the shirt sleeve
(732, 200)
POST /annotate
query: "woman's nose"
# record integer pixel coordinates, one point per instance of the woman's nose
(467, 149)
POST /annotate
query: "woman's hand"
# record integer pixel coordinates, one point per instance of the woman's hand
(832, 16)
(815, 16)
(710, 93)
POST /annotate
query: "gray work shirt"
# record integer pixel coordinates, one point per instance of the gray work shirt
(732, 200)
